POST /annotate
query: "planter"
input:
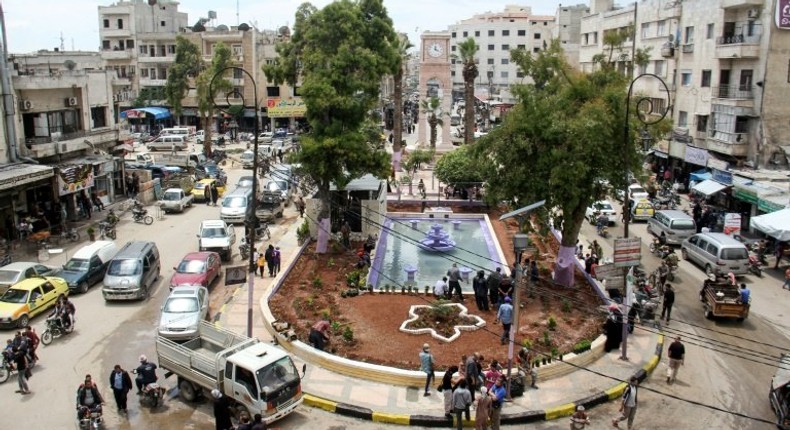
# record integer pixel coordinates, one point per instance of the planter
(456, 329)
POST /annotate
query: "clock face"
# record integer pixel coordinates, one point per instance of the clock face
(435, 50)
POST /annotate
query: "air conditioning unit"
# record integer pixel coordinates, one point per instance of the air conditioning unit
(754, 13)
(71, 101)
(25, 104)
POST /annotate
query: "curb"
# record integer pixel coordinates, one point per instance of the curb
(565, 410)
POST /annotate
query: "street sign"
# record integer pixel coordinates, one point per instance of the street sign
(612, 274)
(627, 252)
(235, 275)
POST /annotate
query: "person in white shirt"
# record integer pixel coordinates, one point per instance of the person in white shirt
(628, 405)
(440, 289)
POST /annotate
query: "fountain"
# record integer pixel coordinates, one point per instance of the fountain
(436, 239)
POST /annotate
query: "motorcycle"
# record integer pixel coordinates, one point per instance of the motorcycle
(140, 214)
(71, 234)
(603, 231)
(244, 249)
(90, 419)
(54, 330)
(153, 394)
(112, 219)
(6, 368)
(654, 246)
(106, 229)
(755, 267)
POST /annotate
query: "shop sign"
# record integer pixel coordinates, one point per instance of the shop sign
(732, 223)
(627, 252)
(286, 108)
(783, 14)
(769, 206)
(715, 163)
(72, 179)
(26, 178)
(722, 177)
(696, 156)
(745, 195)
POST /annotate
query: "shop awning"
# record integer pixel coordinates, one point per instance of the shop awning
(145, 112)
(700, 175)
(776, 224)
(708, 187)
(14, 175)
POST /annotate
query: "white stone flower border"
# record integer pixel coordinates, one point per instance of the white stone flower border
(464, 313)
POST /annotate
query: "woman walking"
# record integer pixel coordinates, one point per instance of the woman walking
(446, 387)
(483, 410)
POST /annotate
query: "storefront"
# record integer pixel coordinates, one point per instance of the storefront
(25, 190)
(148, 119)
(73, 180)
(285, 112)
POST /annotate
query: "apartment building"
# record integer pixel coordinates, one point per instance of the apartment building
(567, 29)
(138, 42)
(282, 105)
(725, 66)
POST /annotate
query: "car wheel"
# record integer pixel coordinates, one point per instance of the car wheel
(83, 287)
(23, 321)
(187, 391)
(707, 313)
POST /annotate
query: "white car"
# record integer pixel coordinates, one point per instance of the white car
(182, 312)
(600, 207)
(635, 192)
(12, 273)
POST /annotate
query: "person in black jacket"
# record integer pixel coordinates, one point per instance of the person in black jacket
(221, 410)
(88, 397)
(669, 300)
(121, 383)
(446, 387)
(481, 291)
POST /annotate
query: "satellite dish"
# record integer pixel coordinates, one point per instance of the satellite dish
(284, 31)
(151, 2)
(244, 27)
(222, 27)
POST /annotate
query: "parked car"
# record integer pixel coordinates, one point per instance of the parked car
(29, 298)
(217, 236)
(197, 268)
(12, 273)
(182, 312)
(635, 192)
(600, 207)
(88, 264)
(246, 182)
(200, 189)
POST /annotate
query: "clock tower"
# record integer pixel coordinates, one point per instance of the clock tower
(435, 81)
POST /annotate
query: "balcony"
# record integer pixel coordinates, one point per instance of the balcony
(737, 46)
(687, 48)
(115, 32)
(723, 142)
(148, 82)
(123, 81)
(738, 4)
(67, 143)
(119, 54)
(740, 96)
(143, 58)
(51, 81)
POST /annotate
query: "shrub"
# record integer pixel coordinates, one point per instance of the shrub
(546, 338)
(526, 343)
(583, 345)
(303, 232)
(555, 352)
(552, 323)
(326, 314)
(348, 334)
(352, 278)
(427, 290)
(317, 282)
(566, 306)
(330, 262)
(403, 290)
(336, 326)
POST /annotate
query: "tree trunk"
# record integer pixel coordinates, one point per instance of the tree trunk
(397, 127)
(469, 112)
(206, 118)
(433, 123)
(565, 266)
(324, 224)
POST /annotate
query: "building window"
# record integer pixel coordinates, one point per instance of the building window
(645, 30)
(452, 73)
(106, 23)
(272, 91)
(658, 68)
(161, 23)
(705, 83)
(171, 49)
(519, 74)
(466, 34)
(683, 118)
(506, 47)
(685, 78)
(162, 73)
(162, 50)
(490, 61)
(237, 92)
(490, 32)
(143, 73)
(152, 50)
(741, 124)
(490, 47)
(105, 44)
(709, 31)
(503, 75)
(120, 24)
(130, 44)
(536, 49)
(522, 32)
(237, 50)
(521, 46)
(537, 36)
(477, 33)
(144, 49)
(238, 74)
(506, 61)
(661, 27)
(152, 73)
(131, 70)
(702, 123)
(453, 35)
(452, 48)
(506, 32)
(689, 37)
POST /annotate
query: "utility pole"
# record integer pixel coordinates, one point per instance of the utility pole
(514, 326)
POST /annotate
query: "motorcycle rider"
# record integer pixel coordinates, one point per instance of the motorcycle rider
(64, 309)
(146, 374)
(601, 221)
(88, 398)
(112, 218)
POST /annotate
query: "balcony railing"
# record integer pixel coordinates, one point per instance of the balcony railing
(733, 92)
(688, 48)
(738, 38)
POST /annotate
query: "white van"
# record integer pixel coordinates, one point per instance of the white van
(165, 143)
(235, 204)
(176, 131)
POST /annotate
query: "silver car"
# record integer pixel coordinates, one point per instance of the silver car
(12, 273)
(182, 312)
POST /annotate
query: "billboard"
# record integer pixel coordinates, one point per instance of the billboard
(285, 108)
(783, 14)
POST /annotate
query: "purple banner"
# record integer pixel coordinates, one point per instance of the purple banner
(783, 14)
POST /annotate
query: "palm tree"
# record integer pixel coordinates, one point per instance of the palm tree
(468, 48)
(433, 109)
(397, 132)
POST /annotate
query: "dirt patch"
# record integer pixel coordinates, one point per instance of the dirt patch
(365, 327)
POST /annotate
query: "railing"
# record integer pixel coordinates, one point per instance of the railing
(688, 48)
(733, 92)
(729, 137)
(737, 38)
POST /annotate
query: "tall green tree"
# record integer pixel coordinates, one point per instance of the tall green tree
(432, 108)
(403, 46)
(467, 50)
(187, 65)
(458, 167)
(341, 53)
(562, 142)
(207, 93)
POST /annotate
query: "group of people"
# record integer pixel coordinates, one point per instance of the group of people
(269, 259)
(89, 398)
(20, 355)
(211, 194)
(222, 415)
(132, 184)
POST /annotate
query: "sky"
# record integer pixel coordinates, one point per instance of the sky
(38, 24)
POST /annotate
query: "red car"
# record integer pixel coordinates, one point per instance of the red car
(197, 268)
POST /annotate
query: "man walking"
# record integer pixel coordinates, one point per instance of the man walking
(462, 399)
(300, 206)
(493, 286)
(214, 193)
(498, 393)
(505, 316)
(426, 365)
(454, 281)
(628, 404)
(121, 383)
(207, 194)
(669, 300)
(481, 291)
(676, 353)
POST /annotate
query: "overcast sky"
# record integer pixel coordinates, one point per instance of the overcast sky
(38, 24)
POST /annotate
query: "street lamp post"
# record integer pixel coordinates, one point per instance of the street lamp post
(249, 218)
(642, 116)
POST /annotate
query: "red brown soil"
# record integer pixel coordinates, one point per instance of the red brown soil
(375, 318)
(442, 324)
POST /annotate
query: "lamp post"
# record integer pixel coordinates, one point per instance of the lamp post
(250, 216)
(520, 242)
(642, 116)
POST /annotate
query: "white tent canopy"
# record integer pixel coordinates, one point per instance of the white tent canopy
(775, 224)
(708, 187)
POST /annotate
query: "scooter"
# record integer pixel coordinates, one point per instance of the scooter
(603, 231)
(54, 329)
(140, 214)
(153, 395)
(90, 419)
(755, 267)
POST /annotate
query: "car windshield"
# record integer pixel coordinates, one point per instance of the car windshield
(181, 305)
(233, 202)
(191, 266)
(734, 254)
(200, 185)
(14, 295)
(247, 156)
(210, 168)
(8, 275)
(210, 232)
(638, 190)
(275, 186)
(172, 196)
(275, 375)
(75, 265)
(603, 206)
(124, 267)
(684, 224)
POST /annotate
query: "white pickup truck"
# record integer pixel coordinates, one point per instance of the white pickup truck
(176, 200)
(258, 377)
(217, 236)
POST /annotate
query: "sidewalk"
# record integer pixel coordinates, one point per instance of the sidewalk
(367, 399)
